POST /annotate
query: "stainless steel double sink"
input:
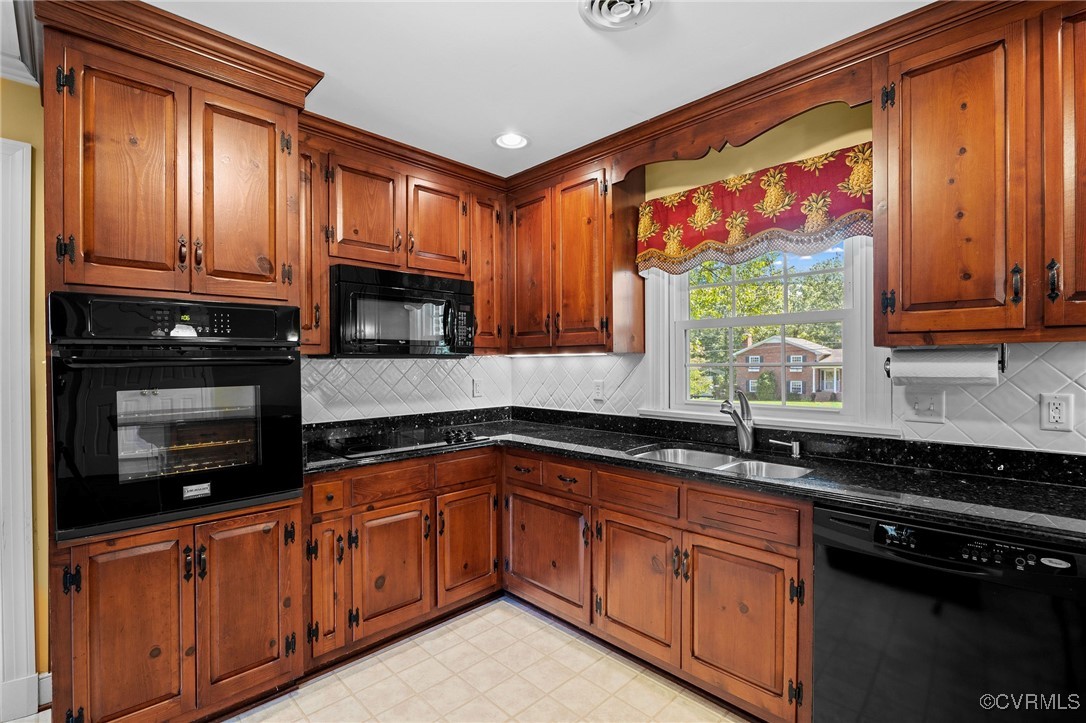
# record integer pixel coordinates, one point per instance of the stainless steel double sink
(692, 456)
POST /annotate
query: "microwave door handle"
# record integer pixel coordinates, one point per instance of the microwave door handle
(446, 321)
(78, 362)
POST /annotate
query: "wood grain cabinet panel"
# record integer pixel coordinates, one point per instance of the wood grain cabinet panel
(367, 210)
(739, 628)
(392, 565)
(530, 272)
(329, 594)
(247, 604)
(581, 268)
(637, 584)
(467, 543)
(313, 257)
(437, 227)
(547, 552)
(125, 185)
(1064, 61)
(957, 183)
(485, 215)
(133, 631)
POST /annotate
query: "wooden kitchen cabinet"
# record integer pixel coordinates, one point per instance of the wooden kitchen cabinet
(636, 584)
(169, 182)
(581, 264)
(367, 209)
(248, 595)
(530, 271)
(487, 242)
(133, 628)
(437, 227)
(1064, 61)
(326, 550)
(467, 542)
(547, 556)
(739, 622)
(392, 565)
(313, 259)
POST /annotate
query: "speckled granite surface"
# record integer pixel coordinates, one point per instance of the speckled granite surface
(844, 474)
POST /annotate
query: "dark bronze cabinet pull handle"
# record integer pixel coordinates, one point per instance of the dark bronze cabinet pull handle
(410, 242)
(182, 253)
(567, 480)
(686, 565)
(399, 240)
(547, 324)
(1053, 280)
(426, 527)
(523, 470)
(557, 324)
(585, 535)
(188, 563)
(330, 496)
(316, 316)
(339, 549)
(1016, 284)
(463, 257)
(201, 562)
(475, 326)
(440, 523)
(675, 562)
(198, 255)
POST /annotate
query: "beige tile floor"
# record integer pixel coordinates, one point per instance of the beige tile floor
(503, 661)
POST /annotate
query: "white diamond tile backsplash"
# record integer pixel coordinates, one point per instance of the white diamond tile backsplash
(566, 382)
(342, 389)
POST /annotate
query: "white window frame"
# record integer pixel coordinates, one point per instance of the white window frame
(866, 391)
(752, 386)
(792, 384)
(795, 359)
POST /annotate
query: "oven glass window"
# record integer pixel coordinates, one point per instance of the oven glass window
(164, 432)
(414, 321)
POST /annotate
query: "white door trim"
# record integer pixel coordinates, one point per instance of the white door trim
(18, 669)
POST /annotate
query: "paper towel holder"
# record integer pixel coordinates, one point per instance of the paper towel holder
(1002, 361)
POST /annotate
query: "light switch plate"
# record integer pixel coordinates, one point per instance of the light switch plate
(925, 405)
(1057, 412)
(597, 390)
(476, 388)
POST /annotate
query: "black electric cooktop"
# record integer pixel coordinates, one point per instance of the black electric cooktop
(356, 447)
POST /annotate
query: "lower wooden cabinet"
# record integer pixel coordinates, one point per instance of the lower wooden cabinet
(547, 551)
(467, 543)
(175, 623)
(329, 590)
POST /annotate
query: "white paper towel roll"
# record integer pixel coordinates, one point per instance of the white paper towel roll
(945, 366)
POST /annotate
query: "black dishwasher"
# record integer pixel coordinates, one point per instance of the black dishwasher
(921, 622)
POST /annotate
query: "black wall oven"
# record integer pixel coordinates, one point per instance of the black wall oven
(164, 409)
(391, 314)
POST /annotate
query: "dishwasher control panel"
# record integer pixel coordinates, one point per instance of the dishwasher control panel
(973, 550)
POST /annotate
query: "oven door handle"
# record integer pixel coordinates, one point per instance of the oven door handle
(79, 362)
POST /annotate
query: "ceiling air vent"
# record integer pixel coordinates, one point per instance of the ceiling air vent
(615, 14)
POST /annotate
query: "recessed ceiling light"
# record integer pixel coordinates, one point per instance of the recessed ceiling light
(615, 14)
(511, 140)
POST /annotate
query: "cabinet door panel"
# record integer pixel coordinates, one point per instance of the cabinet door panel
(486, 271)
(244, 606)
(467, 543)
(313, 261)
(636, 581)
(547, 552)
(529, 267)
(327, 583)
(129, 665)
(392, 566)
(437, 236)
(1065, 165)
(580, 263)
(739, 629)
(957, 185)
(126, 176)
(368, 211)
(240, 189)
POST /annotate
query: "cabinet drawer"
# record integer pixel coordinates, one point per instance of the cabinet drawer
(383, 483)
(523, 469)
(466, 469)
(744, 517)
(638, 494)
(327, 496)
(568, 478)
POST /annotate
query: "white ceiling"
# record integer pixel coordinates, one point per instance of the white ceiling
(450, 76)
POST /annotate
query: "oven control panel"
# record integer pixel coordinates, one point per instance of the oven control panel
(973, 550)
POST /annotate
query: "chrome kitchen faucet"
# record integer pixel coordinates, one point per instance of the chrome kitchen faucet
(744, 421)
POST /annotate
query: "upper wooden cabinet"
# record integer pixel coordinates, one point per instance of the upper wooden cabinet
(166, 175)
(1064, 60)
(529, 264)
(486, 235)
(313, 256)
(978, 151)
(437, 227)
(367, 210)
(580, 262)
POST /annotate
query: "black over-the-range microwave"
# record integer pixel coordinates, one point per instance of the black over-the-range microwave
(382, 313)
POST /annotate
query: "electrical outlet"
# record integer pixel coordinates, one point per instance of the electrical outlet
(925, 406)
(597, 390)
(1057, 412)
(476, 388)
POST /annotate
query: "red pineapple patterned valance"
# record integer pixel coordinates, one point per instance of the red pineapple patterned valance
(799, 207)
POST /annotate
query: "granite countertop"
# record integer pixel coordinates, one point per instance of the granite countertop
(1039, 510)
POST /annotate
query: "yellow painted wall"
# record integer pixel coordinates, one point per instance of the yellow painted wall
(820, 130)
(21, 119)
